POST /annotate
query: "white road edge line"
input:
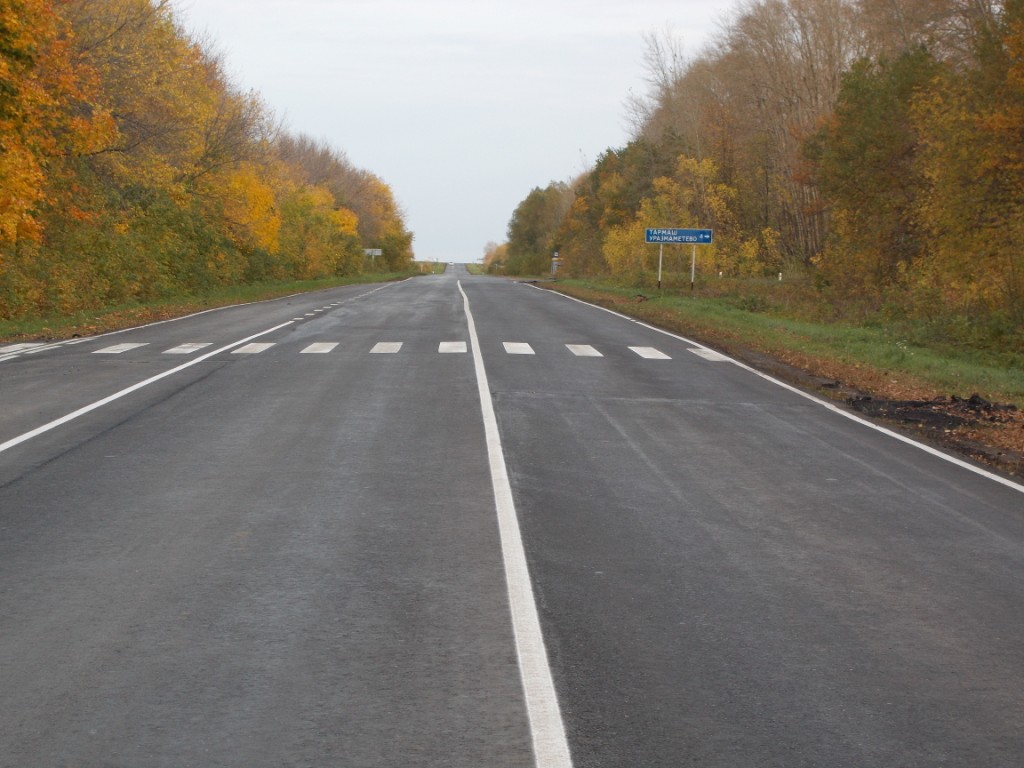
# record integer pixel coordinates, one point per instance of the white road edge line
(808, 396)
(118, 395)
(550, 746)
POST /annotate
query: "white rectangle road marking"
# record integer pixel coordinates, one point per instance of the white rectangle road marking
(583, 350)
(320, 348)
(518, 348)
(710, 354)
(188, 349)
(452, 347)
(118, 349)
(650, 353)
(252, 349)
(386, 348)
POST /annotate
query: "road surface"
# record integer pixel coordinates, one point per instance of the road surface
(459, 521)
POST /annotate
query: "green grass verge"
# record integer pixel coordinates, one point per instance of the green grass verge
(114, 318)
(879, 354)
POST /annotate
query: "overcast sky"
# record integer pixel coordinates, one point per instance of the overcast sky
(461, 106)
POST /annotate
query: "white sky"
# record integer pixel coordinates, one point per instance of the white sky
(461, 106)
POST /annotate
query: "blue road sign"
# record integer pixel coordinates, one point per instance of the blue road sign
(695, 236)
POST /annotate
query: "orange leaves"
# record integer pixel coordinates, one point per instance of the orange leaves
(21, 179)
(45, 110)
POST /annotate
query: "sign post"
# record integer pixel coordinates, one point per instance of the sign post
(693, 236)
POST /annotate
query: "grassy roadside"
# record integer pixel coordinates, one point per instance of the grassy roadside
(868, 358)
(116, 318)
(925, 389)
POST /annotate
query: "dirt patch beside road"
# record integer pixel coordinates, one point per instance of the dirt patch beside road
(990, 433)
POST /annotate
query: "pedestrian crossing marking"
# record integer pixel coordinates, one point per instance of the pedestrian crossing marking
(452, 347)
(119, 349)
(188, 349)
(386, 348)
(320, 348)
(650, 353)
(583, 350)
(252, 349)
(518, 348)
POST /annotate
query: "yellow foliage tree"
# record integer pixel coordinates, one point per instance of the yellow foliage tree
(250, 210)
(973, 163)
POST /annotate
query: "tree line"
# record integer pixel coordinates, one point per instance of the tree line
(132, 169)
(876, 146)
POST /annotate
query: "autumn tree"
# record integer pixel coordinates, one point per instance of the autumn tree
(495, 255)
(47, 109)
(533, 228)
(867, 166)
(133, 169)
(972, 127)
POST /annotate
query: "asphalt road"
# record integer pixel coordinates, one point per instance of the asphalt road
(288, 548)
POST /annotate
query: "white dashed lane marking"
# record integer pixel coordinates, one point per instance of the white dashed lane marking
(321, 348)
(188, 349)
(650, 353)
(252, 349)
(518, 348)
(380, 348)
(710, 355)
(583, 350)
(118, 349)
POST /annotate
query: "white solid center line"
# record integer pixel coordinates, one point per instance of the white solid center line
(650, 353)
(320, 348)
(550, 746)
(583, 350)
(386, 347)
(128, 390)
(517, 348)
